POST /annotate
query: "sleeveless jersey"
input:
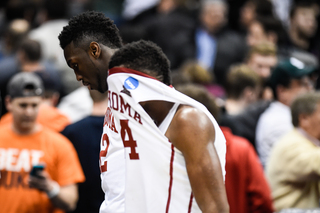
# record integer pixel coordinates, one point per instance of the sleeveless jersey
(149, 172)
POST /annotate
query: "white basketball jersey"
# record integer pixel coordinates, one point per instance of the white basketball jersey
(151, 169)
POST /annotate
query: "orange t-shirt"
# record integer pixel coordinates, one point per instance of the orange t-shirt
(18, 153)
(48, 116)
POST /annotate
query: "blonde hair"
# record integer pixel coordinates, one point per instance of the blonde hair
(265, 49)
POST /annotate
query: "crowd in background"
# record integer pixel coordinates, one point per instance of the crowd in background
(247, 61)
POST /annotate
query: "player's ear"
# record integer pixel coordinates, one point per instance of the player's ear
(95, 49)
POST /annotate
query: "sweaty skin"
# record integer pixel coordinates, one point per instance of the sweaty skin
(90, 63)
(192, 132)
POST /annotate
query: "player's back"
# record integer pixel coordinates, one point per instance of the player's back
(156, 179)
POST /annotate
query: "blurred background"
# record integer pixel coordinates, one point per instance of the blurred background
(213, 34)
(202, 37)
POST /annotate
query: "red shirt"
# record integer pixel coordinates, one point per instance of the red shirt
(246, 185)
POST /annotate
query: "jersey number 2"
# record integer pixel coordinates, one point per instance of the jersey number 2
(103, 153)
(129, 142)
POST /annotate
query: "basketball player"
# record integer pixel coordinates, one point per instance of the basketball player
(88, 41)
(174, 149)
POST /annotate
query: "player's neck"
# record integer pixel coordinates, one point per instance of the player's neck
(157, 110)
(99, 108)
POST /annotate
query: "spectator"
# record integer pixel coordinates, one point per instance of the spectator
(262, 58)
(29, 55)
(243, 88)
(289, 79)
(217, 47)
(253, 8)
(270, 30)
(85, 136)
(25, 143)
(293, 168)
(246, 122)
(48, 116)
(303, 25)
(247, 188)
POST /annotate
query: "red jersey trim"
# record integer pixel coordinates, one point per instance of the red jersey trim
(190, 203)
(171, 178)
(115, 70)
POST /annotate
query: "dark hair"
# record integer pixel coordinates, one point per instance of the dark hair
(262, 7)
(284, 80)
(304, 104)
(93, 26)
(143, 56)
(32, 49)
(300, 4)
(273, 25)
(56, 9)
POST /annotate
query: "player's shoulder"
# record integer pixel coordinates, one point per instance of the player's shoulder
(188, 122)
(189, 115)
(190, 126)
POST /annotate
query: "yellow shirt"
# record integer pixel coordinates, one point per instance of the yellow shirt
(293, 172)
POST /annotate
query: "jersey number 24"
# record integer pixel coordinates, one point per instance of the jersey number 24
(127, 142)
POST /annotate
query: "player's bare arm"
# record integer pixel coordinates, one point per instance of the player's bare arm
(192, 132)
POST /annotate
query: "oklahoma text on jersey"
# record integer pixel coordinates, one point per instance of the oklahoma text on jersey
(116, 102)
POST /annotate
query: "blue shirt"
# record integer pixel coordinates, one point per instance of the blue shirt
(206, 48)
(85, 136)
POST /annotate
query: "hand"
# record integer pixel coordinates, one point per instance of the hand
(41, 182)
